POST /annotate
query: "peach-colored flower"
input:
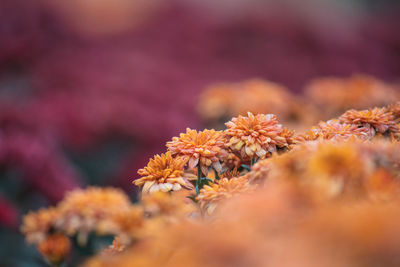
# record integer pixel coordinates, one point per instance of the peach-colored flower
(290, 137)
(255, 136)
(163, 173)
(335, 95)
(379, 118)
(206, 148)
(91, 210)
(211, 195)
(395, 110)
(334, 130)
(225, 100)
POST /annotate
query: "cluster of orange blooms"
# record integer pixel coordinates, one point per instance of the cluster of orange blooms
(253, 194)
(100, 211)
(323, 98)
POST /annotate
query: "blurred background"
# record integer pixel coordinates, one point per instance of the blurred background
(91, 89)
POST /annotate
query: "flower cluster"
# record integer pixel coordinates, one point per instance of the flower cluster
(326, 97)
(286, 186)
(336, 95)
(245, 140)
(94, 212)
(95, 103)
(79, 214)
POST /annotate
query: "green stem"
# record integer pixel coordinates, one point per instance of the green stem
(246, 167)
(216, 175)
(253, 161)
(198, 179)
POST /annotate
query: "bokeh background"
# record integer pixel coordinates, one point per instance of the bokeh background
(90, 89)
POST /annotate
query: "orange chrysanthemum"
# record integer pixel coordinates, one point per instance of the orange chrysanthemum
(223, 189)
(55, 248)
(163, 173)
(93, 209)
(379, 118)
(334, 130)
(336, 95)
(395, 109)
(255, 136)
(257, 96)
(290, 137)
(206, 148)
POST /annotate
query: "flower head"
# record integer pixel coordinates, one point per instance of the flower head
(290, 137)
(395, 110)
(84, 211)
(379, 118)
(163, 173)
(336, 95)
(225, 100)
(334, 130)
(336, 160)
(206, 148)
(224, 189)
(254, 136)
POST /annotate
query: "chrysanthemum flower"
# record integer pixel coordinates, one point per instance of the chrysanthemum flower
(163, 173)
(90, 210)
(336, 95)
(379, 118)
(254, 136)
(206, 148)
(55, 248)
(257, 96)
(223, 189)
(334, 130)
(395, 110)
(290, 137)
(335, 161)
